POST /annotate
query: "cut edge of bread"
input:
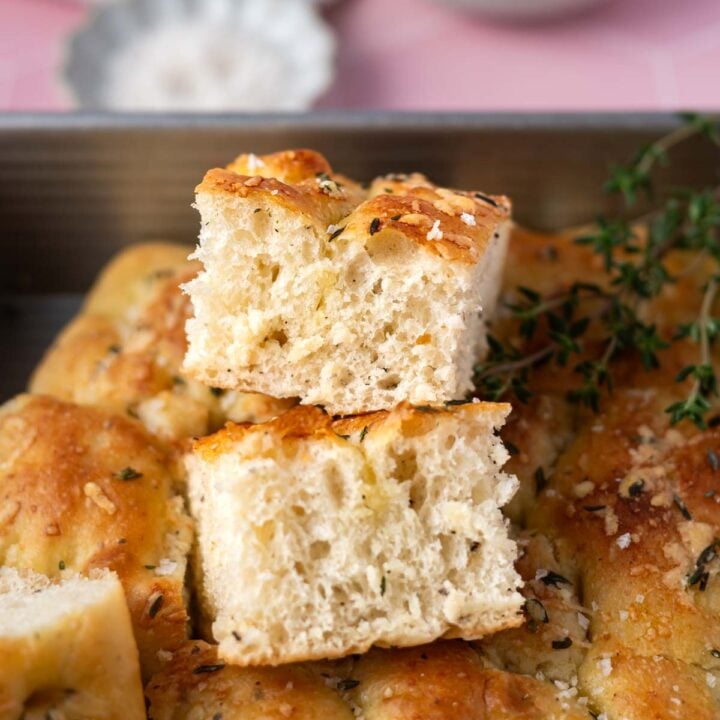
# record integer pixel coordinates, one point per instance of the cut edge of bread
(420, 550)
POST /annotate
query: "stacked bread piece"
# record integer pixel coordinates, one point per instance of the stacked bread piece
(319, 539)
(311, 288)
(320, 536)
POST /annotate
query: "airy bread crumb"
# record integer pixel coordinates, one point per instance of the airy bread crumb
(353, 301)
(67, 649)
(318, 539)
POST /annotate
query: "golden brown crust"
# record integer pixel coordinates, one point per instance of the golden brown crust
(549, 262)
(443, 681)
(309, 421)
(290, 166)
(649, 688)
(301, 421)
(456, 226)
(552, 642)
(447, 680)
(133, 274)
(306, 199)
(81, 489)
(412, 206)
(197, 684)
(301, 181)
(129, 339)
(633, 504)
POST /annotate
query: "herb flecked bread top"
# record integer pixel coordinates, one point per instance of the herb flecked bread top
(314, 288)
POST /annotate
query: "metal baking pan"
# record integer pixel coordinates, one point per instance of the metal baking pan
(76, 188)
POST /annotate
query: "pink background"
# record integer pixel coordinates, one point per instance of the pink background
(416, 54)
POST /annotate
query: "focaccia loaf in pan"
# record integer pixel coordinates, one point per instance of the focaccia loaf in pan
(124, 350)
(318, 539)
(616, 520)
(67, 649)
(83, 489)
(308, 290)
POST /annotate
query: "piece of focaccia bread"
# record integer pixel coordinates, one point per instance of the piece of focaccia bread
(82, 489)
(67, 649)
(357, 306)
(124, 350)
(318, 539)
(442, 681)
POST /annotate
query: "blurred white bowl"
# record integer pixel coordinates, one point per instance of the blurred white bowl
(524, 9)
(201, 55)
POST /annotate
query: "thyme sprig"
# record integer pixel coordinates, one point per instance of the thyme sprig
(555, 329)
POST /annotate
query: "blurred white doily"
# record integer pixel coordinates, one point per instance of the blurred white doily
(201, 55)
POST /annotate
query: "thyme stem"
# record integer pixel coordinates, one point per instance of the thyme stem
(703, 320)
(662, 146)
(513, 366)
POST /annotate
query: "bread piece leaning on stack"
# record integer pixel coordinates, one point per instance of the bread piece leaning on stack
(309, 290)
(320, 538)
(67, 649)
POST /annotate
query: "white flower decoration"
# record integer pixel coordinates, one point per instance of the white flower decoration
(205, 55)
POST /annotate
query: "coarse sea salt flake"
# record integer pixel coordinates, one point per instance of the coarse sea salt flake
(605, 665)
(435, 233)
(623, 541)
(166, 567)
